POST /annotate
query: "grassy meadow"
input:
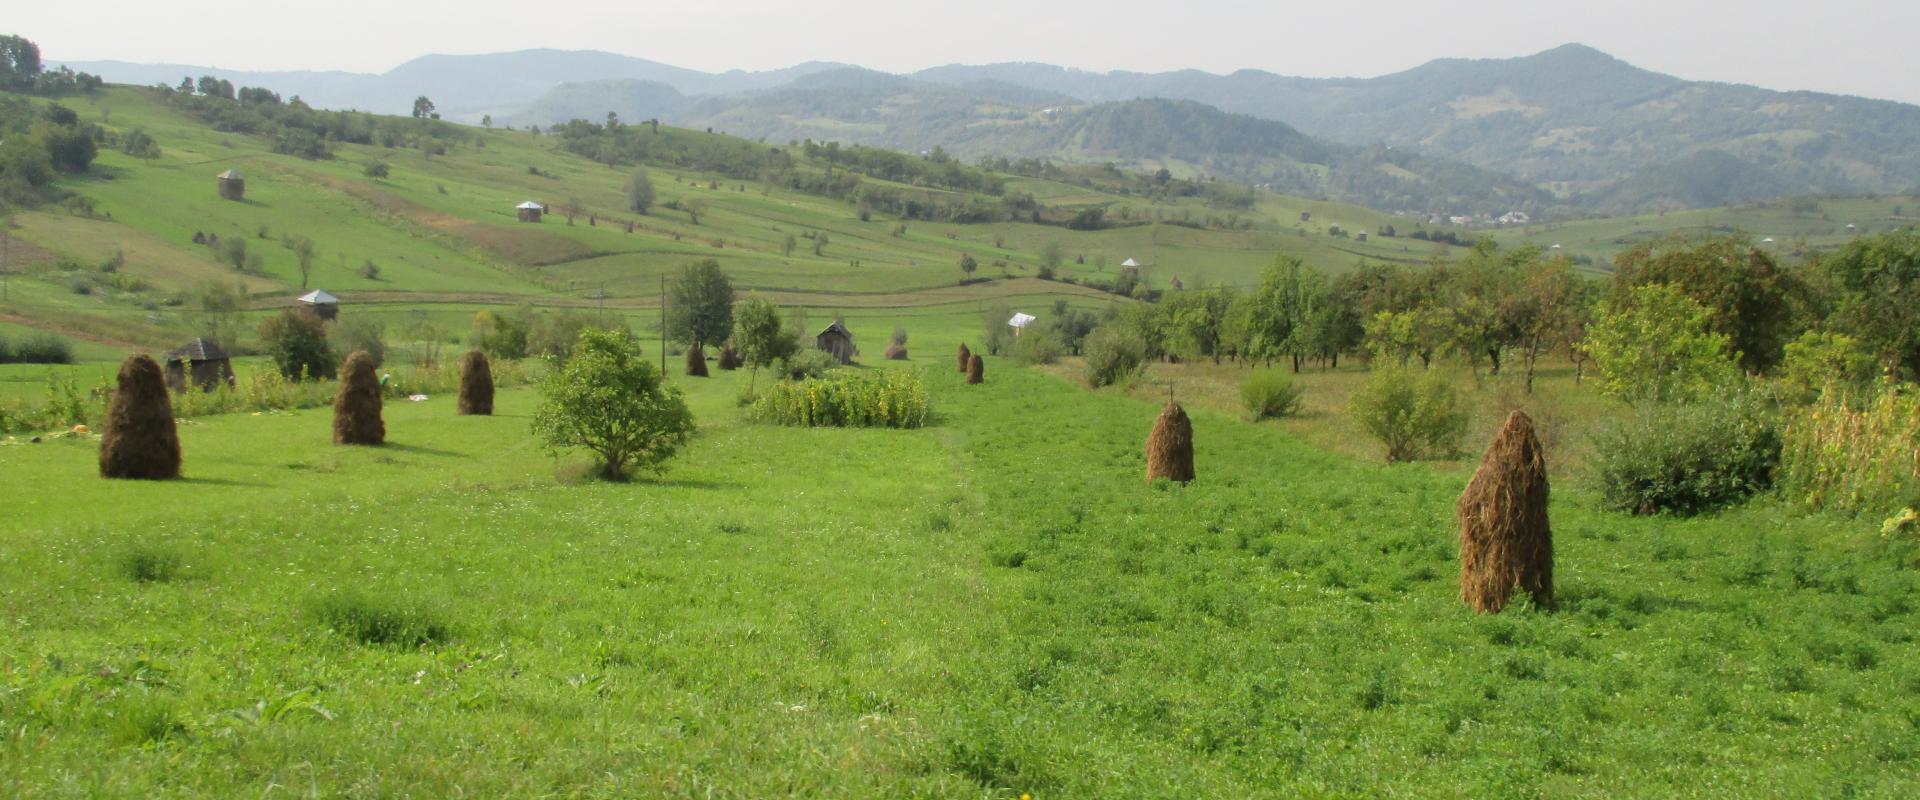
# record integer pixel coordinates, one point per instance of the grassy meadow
(991, 606)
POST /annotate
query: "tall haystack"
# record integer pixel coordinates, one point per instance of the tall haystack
(476, 384)
(1505, 541)
(139, 440)
(356, 409)
(964, 357)
(729, 358)
(975, 369)
(1170, 446)
(697, 361)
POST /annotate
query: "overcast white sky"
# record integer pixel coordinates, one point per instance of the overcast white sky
(1864, 47)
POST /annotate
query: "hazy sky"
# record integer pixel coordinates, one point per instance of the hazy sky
(1863, 47)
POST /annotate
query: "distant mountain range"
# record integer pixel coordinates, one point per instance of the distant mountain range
(1567, 131)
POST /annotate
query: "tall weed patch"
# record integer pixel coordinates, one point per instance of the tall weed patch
(848, 399)
(1854, 458)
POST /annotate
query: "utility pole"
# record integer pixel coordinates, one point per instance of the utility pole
(6, 257)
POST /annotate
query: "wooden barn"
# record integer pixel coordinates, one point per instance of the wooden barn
(837, 341)
(199, 363)
(530, 211)
(323, 305)
(232, 186)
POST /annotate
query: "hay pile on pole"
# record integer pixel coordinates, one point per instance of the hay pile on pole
(965, 357)
(1505, 541)
(729, 358)
(975, 369)
(139, 440)
(356, 409)
(476, 384)
(1170, 446)
(896, 352)
(697, 361)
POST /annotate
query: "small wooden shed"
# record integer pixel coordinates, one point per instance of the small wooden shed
(837, 341)
(199, 363)
(323, 305)
(232, 186)
(530, 211)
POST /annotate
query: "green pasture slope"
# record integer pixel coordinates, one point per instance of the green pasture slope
(992, 606)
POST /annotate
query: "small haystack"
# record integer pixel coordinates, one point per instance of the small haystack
(139, 440)
(965, 357)
(232, 186)
(697, 361)
(1170, 446)
(476, 384)
(1505, 541)
(730, 358)
(975, 369)
(897, 352)
(356, 409)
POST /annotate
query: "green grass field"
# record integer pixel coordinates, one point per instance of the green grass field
(990, 606)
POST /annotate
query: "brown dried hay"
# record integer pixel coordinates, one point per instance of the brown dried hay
(139, 439)
(897, 353)
(975, 369)
(964, 357)
(1170, 446)
(476, 384)
(356, 409)
(730, 358)
(1505, 540)
(697, 361)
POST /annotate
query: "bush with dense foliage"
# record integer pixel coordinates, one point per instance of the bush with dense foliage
(609, 399)
(1656, 346)
(1037, 346)
(1270, 393)
(1688, 458)
(297, 343)
(1412, 414)
(890, 398)
(44, 348)
(1819, 360)
(1855, 451)
(1114, 353)
(806, 363)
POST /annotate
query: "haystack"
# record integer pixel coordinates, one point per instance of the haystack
(964, 356)
(356, 409)
(476, 384)
(897, 352)
(1170, 446)
(1505, 541)
(975, 368)
(139, 440)
(730, 358)
(697, 361)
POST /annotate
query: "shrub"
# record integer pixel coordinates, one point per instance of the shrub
(1859, 460)
(1412, 416)
(476, 384)
(611, 400)
(1170, 446)
(1817, 361)
(1113, 354)
(1505, 539)
(1688, 458)
(1037, 347)
(1658, 347)
(356, 409)
(805, 364)
(297, 343)
(891, 398)
(44, 348)
(1270, 393)
(139, 440)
